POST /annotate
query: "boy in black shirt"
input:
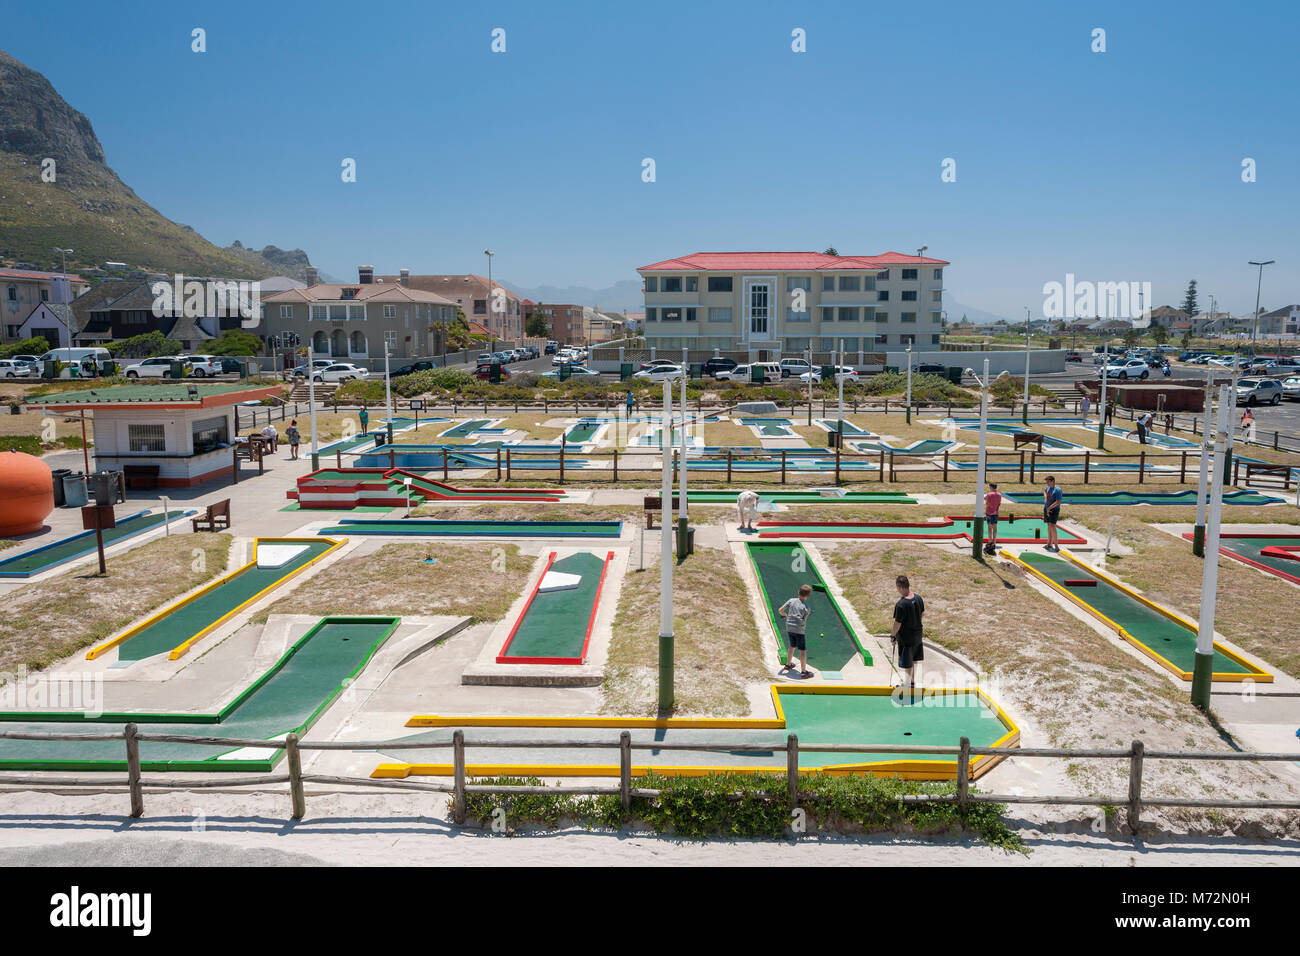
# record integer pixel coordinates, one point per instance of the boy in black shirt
(907, 628)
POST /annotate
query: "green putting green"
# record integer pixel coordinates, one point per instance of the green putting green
(781, 569)
(1251, 549)
(465, 429)
(582, 432)
(807, 497)
(936, 720)
(554, 626)
(1149, 628)
(48, 556)
(286, 698)
(175, 628)
(1022, 530)
(1187, 497)
(496, 529)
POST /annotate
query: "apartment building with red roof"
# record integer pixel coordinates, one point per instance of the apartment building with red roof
(774, 303)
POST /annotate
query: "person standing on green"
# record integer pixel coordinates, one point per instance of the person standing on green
(294, 437)
(630, 400)
(796, 611)
(365, 419)
(908, 629)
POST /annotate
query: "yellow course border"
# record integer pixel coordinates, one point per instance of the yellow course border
(1255, 672)
(184, 647)
(939, 769)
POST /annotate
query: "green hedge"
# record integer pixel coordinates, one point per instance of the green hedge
(698, 807)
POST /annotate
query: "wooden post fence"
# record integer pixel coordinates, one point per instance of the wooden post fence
(133, 770)
(625, 770)
(792, 769)
(963, 775)
(458, 770)
(1135, 786)
(296, 795)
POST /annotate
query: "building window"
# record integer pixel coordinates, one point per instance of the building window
(849, 284)
(882, 276)
(319, 313)
(936, 296)
(480, 306)
(792, 316)
(828, 313)
(882, 316)
(907, 317)
(798, 282)
(672, 284)
(849, 313)
(828, 283)
(210, 434)
(652, 283)
(286, 312)
(390, 311)
(146, 438)
(882, 295)
(719, 283)
(722, 314)
(936, 317)
(909, 275)
(13, 293)
(652, 315)
(692, 284)
(670, 315)
(390, 340)
(338, 313)
(938, 275)
(45, 295)
(934, 340)
(795, 344)
(850, 344)
(13, 331)
(909, 295)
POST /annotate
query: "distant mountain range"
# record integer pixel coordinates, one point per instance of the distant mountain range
(957, 310)
(87, 207)
(622, 296)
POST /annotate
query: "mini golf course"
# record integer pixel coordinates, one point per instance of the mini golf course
(584, 431)
(805, 497)
(433, 527)
(459, 456)
(1057, 444)
(1275, 553)
(926, 446)
(287, 698)
(770, 427)
(818, 715)
(1010, 530)
(465, 429)
(1153, 438)
(74, 546)
(555, 625)
(177, 627)
(1187, 497)
(1167, 638)
(344, 488)
(781, 569)
(850, 429)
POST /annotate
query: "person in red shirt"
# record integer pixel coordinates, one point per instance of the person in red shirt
(992, 503)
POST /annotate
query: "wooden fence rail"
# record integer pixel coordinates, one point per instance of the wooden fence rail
(460, 788)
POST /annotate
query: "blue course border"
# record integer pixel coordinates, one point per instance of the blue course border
(537, 529)
(90, 535)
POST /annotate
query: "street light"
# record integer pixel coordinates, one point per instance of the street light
(1259, 282)
(64, 253)
(1024, 413)
(977, 525)
(489, 253)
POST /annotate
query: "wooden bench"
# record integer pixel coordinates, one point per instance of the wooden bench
(1026, 438)
(1255, 468)
(653, 503)
(215, 517)
(141, 476)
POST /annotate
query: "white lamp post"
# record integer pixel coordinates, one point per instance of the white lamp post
(1203, 669)
(666, 559)
(977, 537)
(311, 407)
(1024, 413)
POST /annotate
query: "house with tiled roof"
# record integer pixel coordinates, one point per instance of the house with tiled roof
(123, 308)
(22, 290)
(1283, 321)
(354, 321)
(483, 300)
(783, 303)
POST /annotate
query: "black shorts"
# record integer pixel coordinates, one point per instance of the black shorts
(909, 654)
(798, 640)
(992, 521)
(1052, 516)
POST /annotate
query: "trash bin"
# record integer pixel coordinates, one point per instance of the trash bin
(176, 370)
(697, 370)
(50, 370)
(955, 374)
(103, 485)
(74, 491)
(59, 474)
(758, 374)
(833, 440)
(625, 371)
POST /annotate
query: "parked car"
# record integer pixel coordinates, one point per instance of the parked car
(552, 347)
(1280, 369)
(1291, 388)
(927, 368)
(745, 373)
(1226, 361)
(160, 367)
(843, 373)
(714, 366)
(338, 372)
(201, 366)
(421, 366)
(1074, 356)
(316, 364)
(1126, 369)
(484, 372)
(484, 358)
(659, 373)
(1257, 391)
(656, 364)
(10, 368)
(793, 366)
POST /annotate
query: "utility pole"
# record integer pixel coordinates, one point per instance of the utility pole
(666, 696)
(977, 527)
(909, 383)
(1202, 478)
(1024, 412)
(489, 253)
(311, 408)
(1254, 331)
(388, 392)
(683, 515)
(1203, 669)
(1101, 407)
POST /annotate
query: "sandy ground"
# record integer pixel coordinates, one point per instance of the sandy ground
(227, 829)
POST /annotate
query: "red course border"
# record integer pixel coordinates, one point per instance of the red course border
(502, 658)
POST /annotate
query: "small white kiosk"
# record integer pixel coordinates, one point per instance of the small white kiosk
(186, 430)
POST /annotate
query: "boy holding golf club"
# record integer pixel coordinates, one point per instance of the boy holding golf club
(796, 611)
(907, 630)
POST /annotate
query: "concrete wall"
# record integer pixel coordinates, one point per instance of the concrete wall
(1040, 360)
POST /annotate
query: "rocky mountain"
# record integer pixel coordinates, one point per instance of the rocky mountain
(622, 296)
(78, 202)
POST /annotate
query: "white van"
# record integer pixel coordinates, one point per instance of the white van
(81, 357)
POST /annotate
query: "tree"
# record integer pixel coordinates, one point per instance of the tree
(1189, 300)
(1187, 340)
(831, 251)
(145, 345)
(235, 342)
(1160, 334)
(538, 325)
(34, 346)
(1131, 337)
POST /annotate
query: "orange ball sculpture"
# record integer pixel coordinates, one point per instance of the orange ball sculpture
(26, 493)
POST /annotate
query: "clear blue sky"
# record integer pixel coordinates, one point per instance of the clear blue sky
(1123, 165)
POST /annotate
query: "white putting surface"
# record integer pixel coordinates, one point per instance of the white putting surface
(559, 581)
(278, 555)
